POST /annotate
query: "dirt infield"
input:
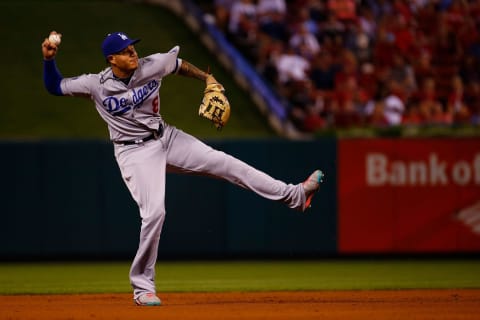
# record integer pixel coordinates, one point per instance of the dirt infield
(402, 304)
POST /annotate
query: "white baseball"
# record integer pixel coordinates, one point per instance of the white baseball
(54, 39)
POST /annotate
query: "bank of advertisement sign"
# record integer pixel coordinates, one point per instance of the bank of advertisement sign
(409, 195)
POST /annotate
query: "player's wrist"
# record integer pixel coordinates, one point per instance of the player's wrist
(210, 79)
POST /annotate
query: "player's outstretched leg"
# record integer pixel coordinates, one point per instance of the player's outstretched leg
(311, 186)
(188, 154)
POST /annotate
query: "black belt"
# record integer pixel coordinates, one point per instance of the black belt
(155, 135)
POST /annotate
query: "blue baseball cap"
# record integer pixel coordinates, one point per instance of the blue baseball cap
(115, 42)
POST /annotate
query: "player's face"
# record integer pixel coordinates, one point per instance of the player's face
(124, 62)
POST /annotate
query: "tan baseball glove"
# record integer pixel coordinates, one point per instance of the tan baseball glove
(215, 106)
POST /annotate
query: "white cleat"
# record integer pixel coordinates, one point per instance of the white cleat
(148, 299)
(312, 185)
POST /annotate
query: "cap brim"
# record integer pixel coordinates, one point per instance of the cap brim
(131, 42)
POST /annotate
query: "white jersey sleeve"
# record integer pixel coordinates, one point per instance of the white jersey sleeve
(160, 65)
(78, 86)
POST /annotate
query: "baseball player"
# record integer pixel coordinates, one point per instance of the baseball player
(126, 95)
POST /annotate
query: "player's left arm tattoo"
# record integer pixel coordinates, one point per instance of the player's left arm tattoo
(189, 70)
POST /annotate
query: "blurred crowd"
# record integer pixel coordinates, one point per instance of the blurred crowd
(344, 63)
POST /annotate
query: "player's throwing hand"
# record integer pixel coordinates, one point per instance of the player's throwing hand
(49, 46)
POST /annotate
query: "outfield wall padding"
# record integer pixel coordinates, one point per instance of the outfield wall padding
(67, 199)
(391, 196)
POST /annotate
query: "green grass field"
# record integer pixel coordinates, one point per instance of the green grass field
(215, 276)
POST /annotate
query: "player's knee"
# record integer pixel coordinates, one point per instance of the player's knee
(153, 214)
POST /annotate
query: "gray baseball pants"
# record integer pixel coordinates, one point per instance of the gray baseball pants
(143, 168)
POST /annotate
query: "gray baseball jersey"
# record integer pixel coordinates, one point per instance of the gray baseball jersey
(132, 112)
